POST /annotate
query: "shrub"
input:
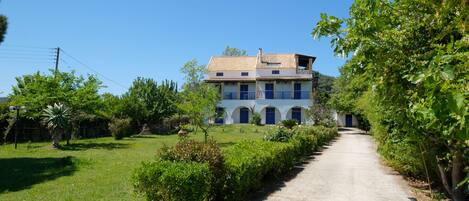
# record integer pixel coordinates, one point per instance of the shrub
(255, 119)
(119, 128)
(193, 151)
(289, 123)
(279, 134)
(248, 162)
(173, 181)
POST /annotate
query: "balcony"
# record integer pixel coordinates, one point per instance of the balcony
(267, 94)
(296, 94)
(243, 95)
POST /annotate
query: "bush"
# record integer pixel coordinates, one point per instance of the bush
(193, 151)
(173, 181)
(320, 134)
(289, 123)
(119, 128)
(280, 134)
(255, 119)
(247, 163)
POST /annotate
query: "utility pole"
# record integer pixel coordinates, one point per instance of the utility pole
(57, 55)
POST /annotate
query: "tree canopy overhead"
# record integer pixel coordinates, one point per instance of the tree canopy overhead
(408, 74)
(232, 51)
(3, 27)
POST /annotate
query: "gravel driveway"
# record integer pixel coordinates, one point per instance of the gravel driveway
(349, 169)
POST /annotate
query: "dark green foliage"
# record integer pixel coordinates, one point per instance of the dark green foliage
(3, 27)
(120, 128)
(324, 87)
(255, 119)
(146, 102)
(173, 181)
(289, 123)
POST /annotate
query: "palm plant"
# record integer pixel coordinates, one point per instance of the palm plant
(57, 119)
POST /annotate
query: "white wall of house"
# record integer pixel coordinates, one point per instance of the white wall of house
(283, 72)
(283, 108)
(340, 119)
(231, 74)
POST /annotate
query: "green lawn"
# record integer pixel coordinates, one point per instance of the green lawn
(91, 169)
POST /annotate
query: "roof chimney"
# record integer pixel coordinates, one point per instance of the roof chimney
(259, 56)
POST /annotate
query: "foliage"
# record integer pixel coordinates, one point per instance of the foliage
(280, 134)
(173, 181)
(255, 119)
(120, 128)
(289, 123)
(199, 99)
(194, 151)
(320, 114)
(146, 102)
(232, 51)
(3, 27)
(37, 91)
(324, 87)
(57, 119)
(408, 78)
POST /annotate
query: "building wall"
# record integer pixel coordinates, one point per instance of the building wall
(340, 119)
(283, 108)
(283, 72)
(231, 74)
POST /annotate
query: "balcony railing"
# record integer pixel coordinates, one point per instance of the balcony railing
(243, 95)
(230, 95)
(266, 94)
(271, 94)
(247, 95)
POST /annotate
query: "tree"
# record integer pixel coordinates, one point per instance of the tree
(3, 27)
(232, 51)
(199, 99)
(324, 87)
(409, 78)
(57, 119)
(146, 102)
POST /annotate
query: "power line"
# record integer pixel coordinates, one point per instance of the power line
(91, 69)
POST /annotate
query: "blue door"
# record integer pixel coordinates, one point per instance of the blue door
(296, 114)
(297, 91)
(348, 120)
(219, 118)
(244, 115)
(269, 91)
(243, 92)
(270, 115)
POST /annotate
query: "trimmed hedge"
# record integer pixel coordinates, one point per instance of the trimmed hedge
(173, 181)
(246, 165)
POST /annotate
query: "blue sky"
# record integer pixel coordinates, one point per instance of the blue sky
(125, 39)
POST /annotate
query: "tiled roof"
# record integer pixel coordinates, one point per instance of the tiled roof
(226, 63)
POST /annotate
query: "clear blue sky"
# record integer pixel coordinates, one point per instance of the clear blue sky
(149, 38)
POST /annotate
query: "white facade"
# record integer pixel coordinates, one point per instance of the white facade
(277, 86)
(345, 119)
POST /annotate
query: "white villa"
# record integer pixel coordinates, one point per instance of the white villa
(277, 86)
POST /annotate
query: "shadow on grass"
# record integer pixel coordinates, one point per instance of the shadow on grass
(21, 173)
(93, 145)
(226, 144)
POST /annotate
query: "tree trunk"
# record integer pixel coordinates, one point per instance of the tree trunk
(457, 176)
(443, 176)
(56, 139)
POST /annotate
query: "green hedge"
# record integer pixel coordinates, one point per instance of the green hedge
(173, 181)
(246, 165)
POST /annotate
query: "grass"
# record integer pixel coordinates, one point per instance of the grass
(91, 169)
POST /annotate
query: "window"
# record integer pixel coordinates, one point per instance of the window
(273, 64)
(244, 73)
(275, 72)
(219, 74)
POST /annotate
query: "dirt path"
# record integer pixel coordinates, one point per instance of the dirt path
(347, 170)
